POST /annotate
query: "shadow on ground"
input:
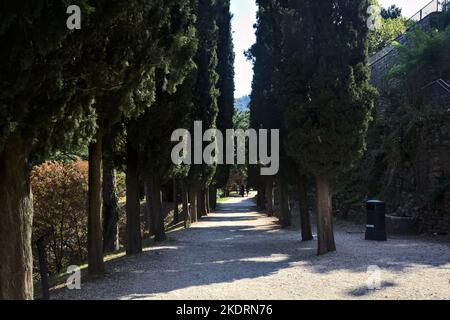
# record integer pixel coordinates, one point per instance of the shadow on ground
(237, 243)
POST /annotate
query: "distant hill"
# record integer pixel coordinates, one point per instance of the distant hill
(242, 103)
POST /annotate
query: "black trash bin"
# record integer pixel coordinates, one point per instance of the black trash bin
(376, 221)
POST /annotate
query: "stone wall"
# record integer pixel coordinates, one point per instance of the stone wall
(384, 60)
(414, 185)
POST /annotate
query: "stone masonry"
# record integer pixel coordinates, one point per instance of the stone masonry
(416, 182)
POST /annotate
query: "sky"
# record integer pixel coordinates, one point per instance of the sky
(244, 17)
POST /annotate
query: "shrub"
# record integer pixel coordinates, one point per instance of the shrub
(60, 206)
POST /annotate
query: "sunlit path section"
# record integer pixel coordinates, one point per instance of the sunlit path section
(237, 253)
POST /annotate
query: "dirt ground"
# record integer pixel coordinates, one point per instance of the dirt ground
(237, 253)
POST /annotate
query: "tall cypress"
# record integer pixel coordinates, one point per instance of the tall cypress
(266, 110)
(205, 93)
(148, 137)
(121, 59)
(328, 95)
(41, 110)
(225, 70)
(171, 111)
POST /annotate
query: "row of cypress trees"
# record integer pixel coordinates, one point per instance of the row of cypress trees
(312, 82)
(147, 66)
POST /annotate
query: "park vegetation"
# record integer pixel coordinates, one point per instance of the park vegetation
(132, 65)
(317, 92)
(86, 118)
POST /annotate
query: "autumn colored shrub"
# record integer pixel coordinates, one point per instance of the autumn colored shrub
(60, 211)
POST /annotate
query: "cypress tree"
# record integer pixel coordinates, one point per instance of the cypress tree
(171, 111)
(259, 54)
(266, 111)
(125, 56)
(111, 161)
(120, 63)
(148, 138)
(225, 100)
(41, 110)
(328, 95)
(205, 93)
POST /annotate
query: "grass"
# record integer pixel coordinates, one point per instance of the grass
(223, 200)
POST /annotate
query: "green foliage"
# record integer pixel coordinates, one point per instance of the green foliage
(389, 30)
(39, 98)
(125, 55)
(225, 67)
(225, 84)
(392, 12)
(409, 122)
(326, 88)
(265, 111)
(170, 112)
(266, 55)
(173, 104)
(58, 85)
(404, 128)
(205, 91)
(239, 172)
(241, 120)
(425, 58)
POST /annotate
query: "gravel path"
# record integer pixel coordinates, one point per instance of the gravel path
(240, 254)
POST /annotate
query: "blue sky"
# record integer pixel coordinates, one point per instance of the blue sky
(244, 12)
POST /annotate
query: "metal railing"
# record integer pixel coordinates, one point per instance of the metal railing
(441, 83)
(433, 6)
(437, 93)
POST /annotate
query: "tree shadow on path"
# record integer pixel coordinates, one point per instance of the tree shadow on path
(237, 243)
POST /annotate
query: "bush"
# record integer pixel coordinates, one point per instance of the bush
(389, 30)
(60, 192)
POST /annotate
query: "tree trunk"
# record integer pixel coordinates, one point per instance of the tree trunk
(95, 235)
(215, 195)
(16, 215)
(283, 198)
(157, 218)
(213, 198)
(324, 219)
(305, 220)
(186, 210)
(176, 214)
(201, 210)
(207, 201)
(110, 208)
(260, 199)
(133, 205)
(193, 199)
(148, 207)
(269, 197)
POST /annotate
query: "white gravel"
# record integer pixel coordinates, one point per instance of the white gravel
(240, 254)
